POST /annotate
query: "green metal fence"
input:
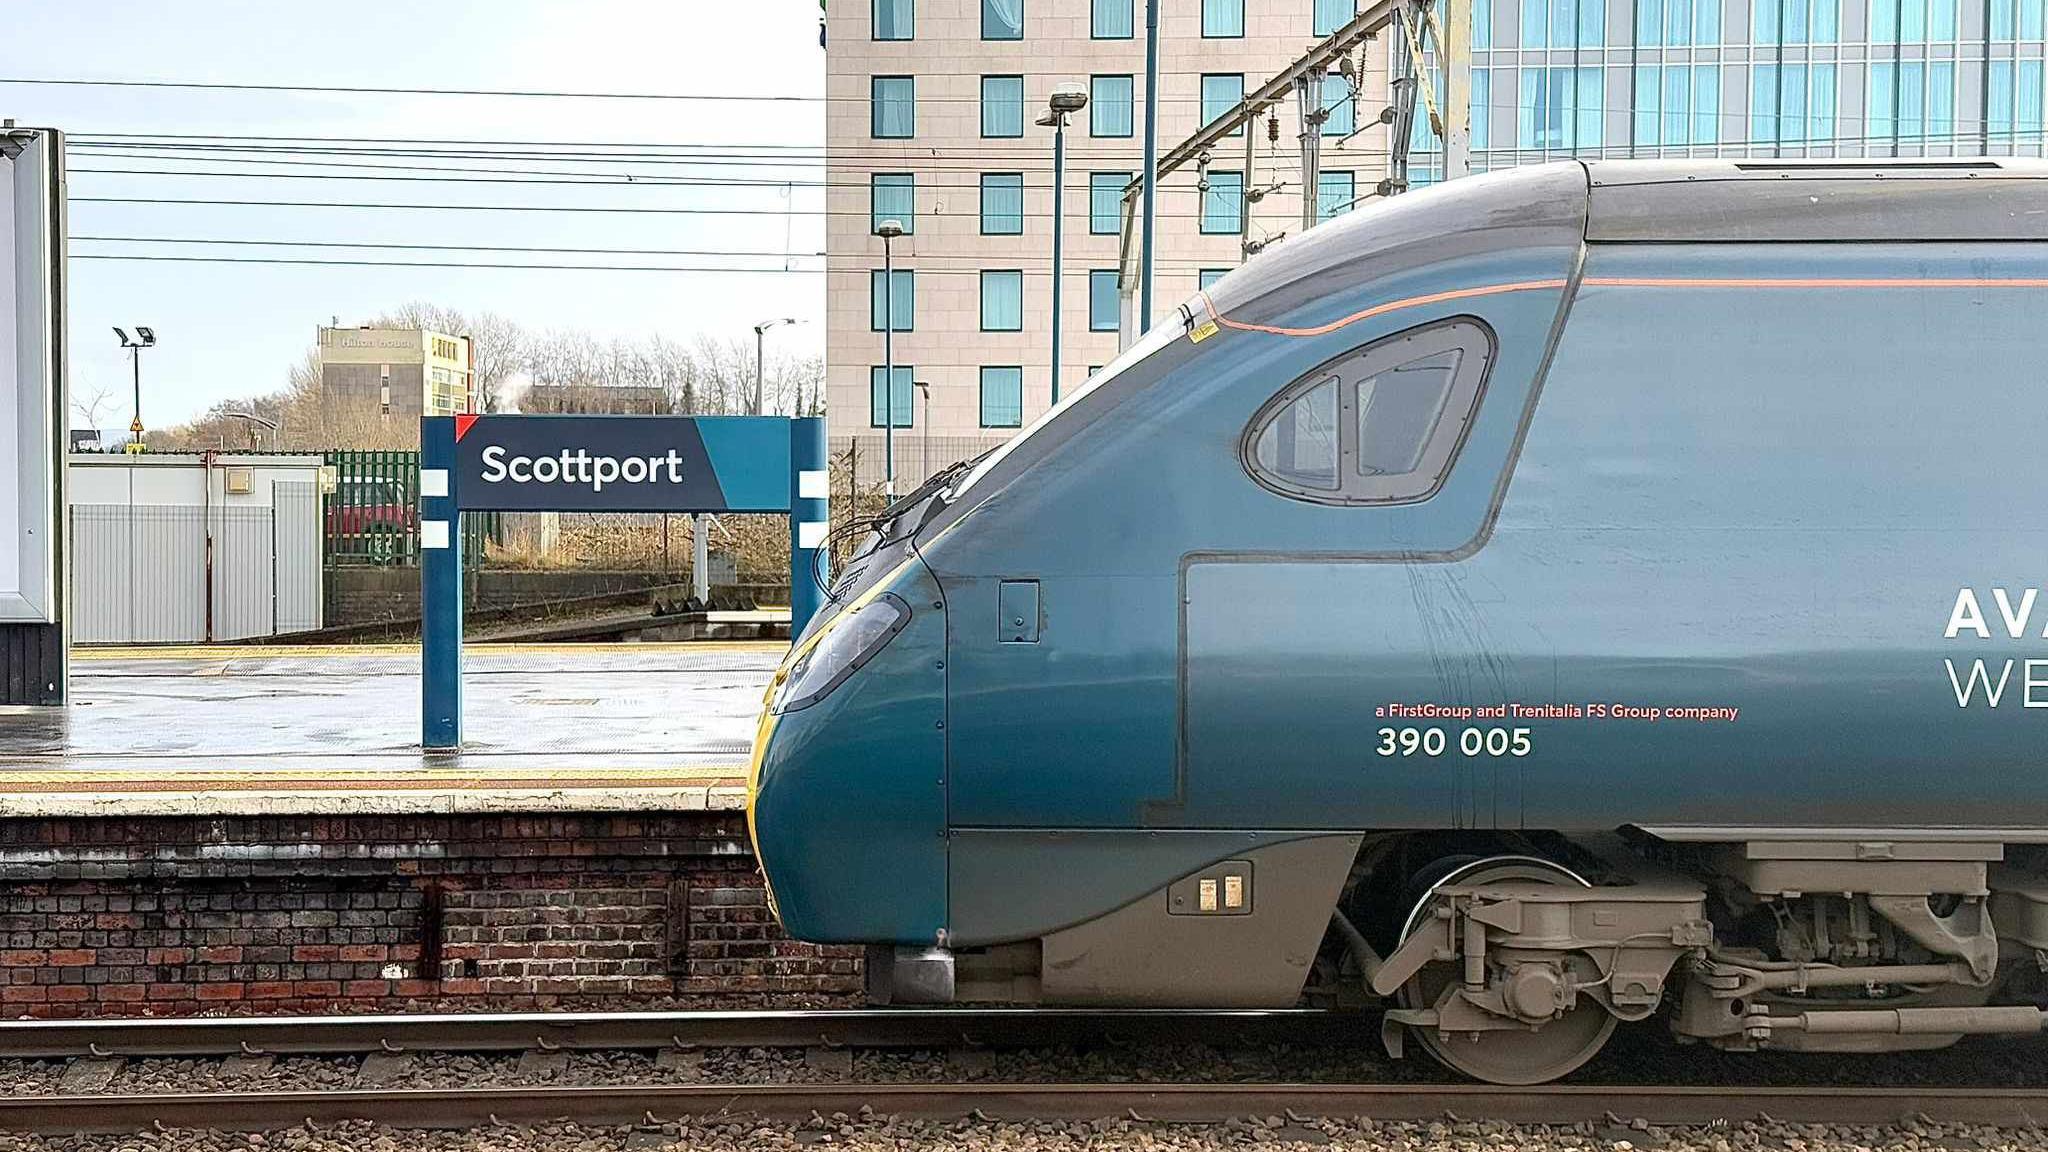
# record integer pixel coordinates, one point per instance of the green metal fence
(372, 516)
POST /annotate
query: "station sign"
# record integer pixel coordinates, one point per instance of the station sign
(513, 463)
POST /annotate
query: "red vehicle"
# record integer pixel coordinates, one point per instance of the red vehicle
(372, 519)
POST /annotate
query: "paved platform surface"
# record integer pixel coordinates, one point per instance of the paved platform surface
(183, 731)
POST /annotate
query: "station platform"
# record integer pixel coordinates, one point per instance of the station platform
(233, 731)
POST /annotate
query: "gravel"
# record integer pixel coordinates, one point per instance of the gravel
(883, 1134)
(1649, 1058)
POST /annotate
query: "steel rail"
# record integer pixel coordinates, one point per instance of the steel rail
(520, 1031)
(1170, 1103)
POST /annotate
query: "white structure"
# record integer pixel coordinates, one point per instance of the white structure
(176, 548)
(33, 400)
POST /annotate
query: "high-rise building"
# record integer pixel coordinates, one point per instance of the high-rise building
(931, 122)
(397, 374)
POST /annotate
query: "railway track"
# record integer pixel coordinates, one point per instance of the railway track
(91, 1105)
(1162, 1103)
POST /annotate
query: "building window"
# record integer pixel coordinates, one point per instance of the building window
(1105, 202)
(1223, 203)
(1110, 20)
(2015, 99)
(1560, 108)
(1681, 22)
(1002, 301)
(1919, 21)
(894, 405)
(1222, 18)
(1482, 109)
(1109, 106)
(1002, 203)
(893, 107)
(1482, 24)
(892, 196)
(1340, 108)
(1002, 19)
(1104, 305)
(2016, 21)
(1002, 397)
(1565, 23)
(900, 306)
(1209, 276)
(1334, 193)
(1795, 21)
(1791, 103)
(1924, 96)
(1002, 106)
(1221, 93)
(1334, 14)
(1677, 105)
(895, 19)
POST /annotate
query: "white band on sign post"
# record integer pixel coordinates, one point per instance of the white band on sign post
(811, 484)
(811, 533)
(433, 481)
(433, 533)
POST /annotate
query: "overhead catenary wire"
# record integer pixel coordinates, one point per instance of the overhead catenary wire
(537, 267)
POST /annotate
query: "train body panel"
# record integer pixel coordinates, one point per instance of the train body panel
(1414, 562)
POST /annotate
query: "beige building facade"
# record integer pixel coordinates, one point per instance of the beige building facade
(395, 373)
(931, 122)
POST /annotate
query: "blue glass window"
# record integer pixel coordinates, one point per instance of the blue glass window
(1482, 109)
(1941, 98)
(1110, 20)
(1104, 305)
(1208, 276)
(1763, 21)
(1002, 105)
(1334, 193)
(1560, 108)
(1820, 102)
(893, 405)
(1880, 95)
(1706, 104)
(1482, 24)
(1221, 93)
(892, 107)
(1223, 203)
(1332, 15)
(1341, 107)
(904, 301)
(1002, 301)
(1002, 397)
(1109, 106)
(1002, 203)
(892, 196)
(1998, 98)
(1763, 103)
(895, 19)
(1105, 201)
(1002, 19)
(1563, 23)
(1222, 18)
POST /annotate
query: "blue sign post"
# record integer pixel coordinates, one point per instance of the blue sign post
(601, 464)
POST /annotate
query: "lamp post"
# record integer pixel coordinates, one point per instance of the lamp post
(1065, 100)
(889, 230)
(760, 378)
(925, 387)
(276, 429)
(144, 338)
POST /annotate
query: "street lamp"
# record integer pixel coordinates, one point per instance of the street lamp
(144, 338)
(925, 387)
(889, 230)
(276, 429)
(761, 380)
(1065, 100)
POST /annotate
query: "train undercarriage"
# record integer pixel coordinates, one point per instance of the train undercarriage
(1513, 959)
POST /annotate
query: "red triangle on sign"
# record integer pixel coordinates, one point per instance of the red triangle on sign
(462, 423)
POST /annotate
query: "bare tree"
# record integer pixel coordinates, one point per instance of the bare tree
(87, 404)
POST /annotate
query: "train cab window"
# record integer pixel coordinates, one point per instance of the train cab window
(1379, 424)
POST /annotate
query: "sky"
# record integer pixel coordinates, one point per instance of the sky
(233, 330)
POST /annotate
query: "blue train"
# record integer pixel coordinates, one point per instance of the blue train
(1553, 599)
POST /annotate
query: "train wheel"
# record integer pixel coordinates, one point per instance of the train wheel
(1506, 1056)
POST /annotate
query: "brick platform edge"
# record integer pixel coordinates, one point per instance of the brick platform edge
(180, 916)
